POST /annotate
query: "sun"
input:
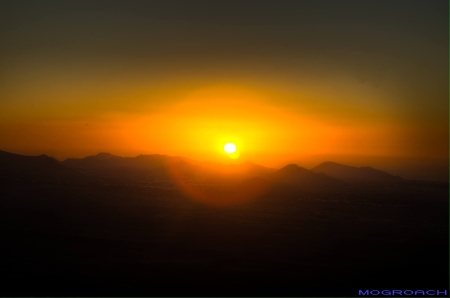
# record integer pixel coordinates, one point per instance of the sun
(229, 148)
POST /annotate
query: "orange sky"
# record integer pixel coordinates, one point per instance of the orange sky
(197, 122)
(298, 82)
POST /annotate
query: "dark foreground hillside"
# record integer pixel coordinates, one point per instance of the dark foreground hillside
(129, 240)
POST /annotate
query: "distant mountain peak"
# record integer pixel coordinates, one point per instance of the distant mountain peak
(292, 167)
(47, 158)
(354, 174)
(294, 174)
(104, 154)
(329, 163)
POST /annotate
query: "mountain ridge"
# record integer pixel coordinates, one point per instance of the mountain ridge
(294, 174)
(41, 168)
(106, 164)
(352, 174)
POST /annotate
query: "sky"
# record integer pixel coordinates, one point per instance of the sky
(357, 82)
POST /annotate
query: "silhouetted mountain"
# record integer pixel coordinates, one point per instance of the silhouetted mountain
(107, 160)
(240, 171)
(108, 165)
(37, 168)
(260, 234)
(256, 170)
(353, 174)
(295, 175)
(155, 165)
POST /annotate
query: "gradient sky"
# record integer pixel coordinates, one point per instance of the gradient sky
(365, 82)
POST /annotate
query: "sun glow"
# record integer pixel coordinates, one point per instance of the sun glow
(229, 148)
